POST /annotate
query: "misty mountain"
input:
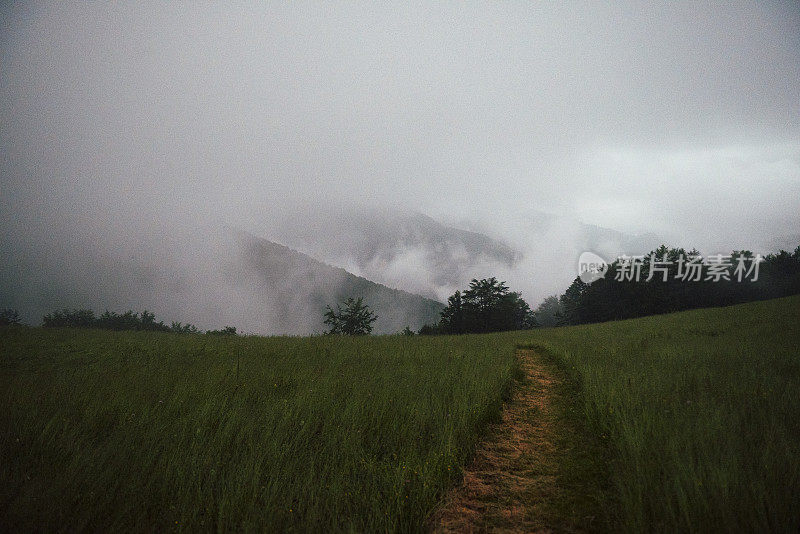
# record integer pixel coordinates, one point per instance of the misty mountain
(612, 243)
(300, 287)
(532, 229)
(414, 251)
(395, 247)
(209, 275)
(686, 124)
(551, 245)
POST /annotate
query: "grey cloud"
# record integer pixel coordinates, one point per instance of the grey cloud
(123, 123)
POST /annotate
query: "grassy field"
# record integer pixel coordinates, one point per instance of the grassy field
(700, 411)
(105, 430)
(697, 417)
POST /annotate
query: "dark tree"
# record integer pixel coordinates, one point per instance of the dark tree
(430, 330)
(571, 300)
(119, 321)
(227, 331)
(513, 313)
(483, 302)
(670, 287)
(355, 319)
(70, 319)
(179, 328)
(549, 312)
(9, 317)
(453, 319)
(486, 306)
(129, 321)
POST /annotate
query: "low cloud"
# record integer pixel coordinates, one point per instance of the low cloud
(125, 127)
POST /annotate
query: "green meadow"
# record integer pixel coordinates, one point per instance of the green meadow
(700, 414)
(692, 420)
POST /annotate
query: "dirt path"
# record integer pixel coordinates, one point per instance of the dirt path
(511, 484)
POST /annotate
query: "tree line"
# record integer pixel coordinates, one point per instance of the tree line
(130, 320)
(615, 296)
(488, 305)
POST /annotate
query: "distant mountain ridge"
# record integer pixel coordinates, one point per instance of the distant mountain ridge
(210, 275)
(302, 287)
(213, 275)
(405, 248)
(399, 248)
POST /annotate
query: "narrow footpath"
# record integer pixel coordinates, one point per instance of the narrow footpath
(511, 484)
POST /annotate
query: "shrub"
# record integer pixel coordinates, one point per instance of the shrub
(227, 331)
(9, 317)
(187, 328)
(119, 321)
(69, 319)
(354, 320)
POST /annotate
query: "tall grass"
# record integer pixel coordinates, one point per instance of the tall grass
(697, 417)
(143, 431)
(700, 412)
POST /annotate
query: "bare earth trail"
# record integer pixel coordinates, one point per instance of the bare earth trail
(512, 483)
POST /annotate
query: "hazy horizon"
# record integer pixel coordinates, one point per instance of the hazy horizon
(125, 128)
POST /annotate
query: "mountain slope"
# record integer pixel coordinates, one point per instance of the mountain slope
(299, 287)
(395, 247)
(209, 275)
(534, 251)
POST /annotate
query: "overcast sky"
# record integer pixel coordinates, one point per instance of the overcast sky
(681, 119)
